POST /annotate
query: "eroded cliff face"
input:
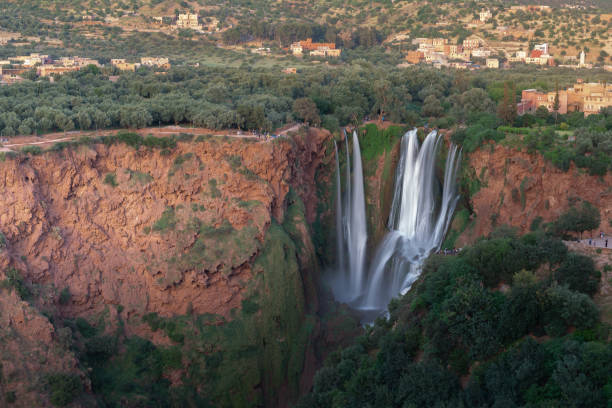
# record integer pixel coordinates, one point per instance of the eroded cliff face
(117, 233)
(516, 187)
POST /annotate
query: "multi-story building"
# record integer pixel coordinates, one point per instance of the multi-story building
(188, 21)
(439, 44)
(8, 79)
(589, 98)
(326, 52)
(485, 15)
(123, 65)
(594, 96)
(541, 47)
(48, 70)
(77, 62)
(155, 62)
(492, 63)
(316, 49)
(414, 57)
(473, 42)
(30, 61)
(481, 53)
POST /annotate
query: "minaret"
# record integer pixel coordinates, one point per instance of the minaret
(582, 56)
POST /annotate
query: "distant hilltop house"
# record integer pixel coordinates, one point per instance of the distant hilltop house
(531, 7)
(535, 57)
(29, 61)
(472, 42)
(6, 37)
(538, 57)
(77, 62)
(49, 69)
(541, 47)
(9, 79)
(290, 70)
(589, 98)
(261, 51)
(415, 57)
(492, 63)
(189, 21)
(315, 49)
(123, 65)
(485, 15)
(155, 62)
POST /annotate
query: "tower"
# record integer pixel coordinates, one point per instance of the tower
(582, 56)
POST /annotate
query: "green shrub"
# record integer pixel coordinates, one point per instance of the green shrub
(85, 328)
(129, 138)
(32, 150)
(182, 159)
(14, 280)
(111, 180)
(159, 142)
(64, 388)
(11, 397)
(64, 297)
(167, 221)
(214, 191)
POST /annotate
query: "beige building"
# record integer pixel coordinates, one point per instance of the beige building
(155, 62)
(492, 63)
(473, 42)
(188, 21)
(48, 70)
(594, 95)
(121, 64)
(589, 98)
(316, 49)
(485, 15)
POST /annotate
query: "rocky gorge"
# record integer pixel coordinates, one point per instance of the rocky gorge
(203, 258)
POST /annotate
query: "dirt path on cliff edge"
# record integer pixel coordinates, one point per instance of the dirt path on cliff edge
(21, 141)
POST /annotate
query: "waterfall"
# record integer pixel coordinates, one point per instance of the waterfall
(417, 224)
(351, 235)
(339, 219)
(359, 235)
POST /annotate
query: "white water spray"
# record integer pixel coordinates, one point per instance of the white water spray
(417, 224)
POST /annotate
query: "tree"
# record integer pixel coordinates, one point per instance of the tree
(542, 112)
(100, 119)
(63, 122)
(305, 109)
(84, 119)
(556, 103)
(585, 218)
(432, 107)
(506, 109)
(579, 273)
(383, 95)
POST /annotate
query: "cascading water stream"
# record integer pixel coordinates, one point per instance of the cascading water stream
(417, 224)
(340, 245)
(359, 234)
(352, 236)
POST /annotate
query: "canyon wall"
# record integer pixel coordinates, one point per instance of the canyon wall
(129, 236)
(514, 188)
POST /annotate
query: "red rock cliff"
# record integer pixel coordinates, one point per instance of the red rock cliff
(151, 230)
(517, 187)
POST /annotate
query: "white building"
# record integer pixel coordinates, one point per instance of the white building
(485, 15)
(541, 47)
(492, 63)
